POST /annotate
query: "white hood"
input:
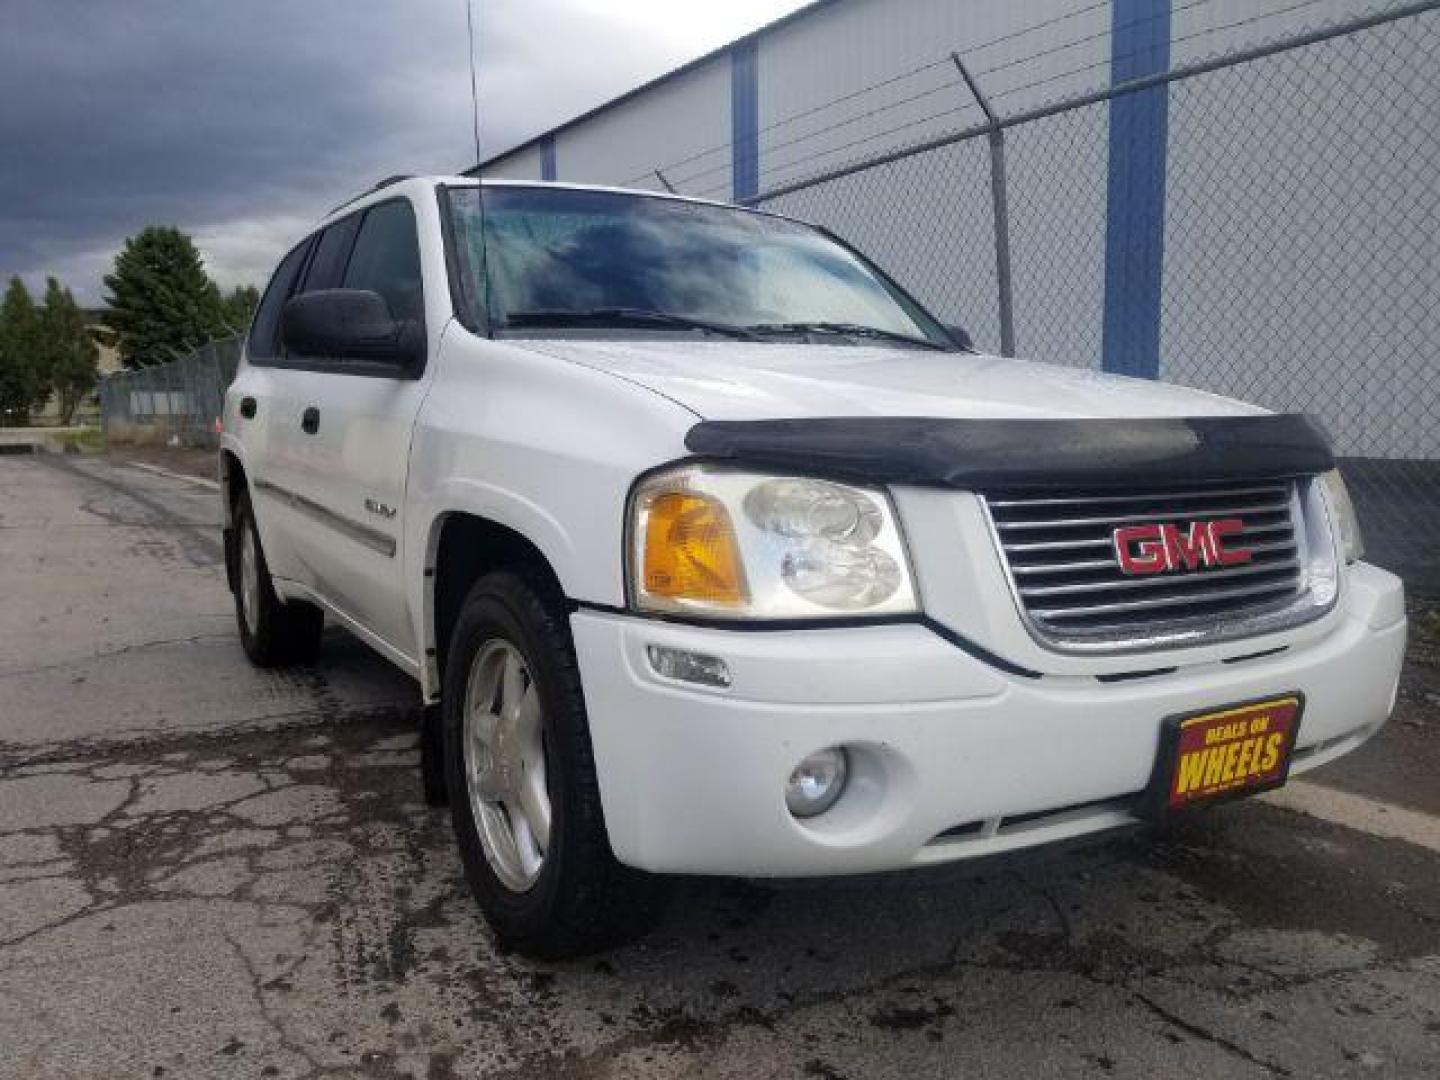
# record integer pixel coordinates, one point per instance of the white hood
(737, 380)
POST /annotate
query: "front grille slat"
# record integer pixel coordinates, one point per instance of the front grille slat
(1059, 550)
(1031, 546)
(1155, 602)
(1032, 569)
(1195, 581)
(1029, 569)
(1132, 519)
(1168, 498)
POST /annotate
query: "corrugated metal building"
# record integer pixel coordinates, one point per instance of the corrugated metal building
(1125, 213)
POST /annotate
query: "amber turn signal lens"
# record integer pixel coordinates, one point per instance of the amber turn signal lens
(690, 550)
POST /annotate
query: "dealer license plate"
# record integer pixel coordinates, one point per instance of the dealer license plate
(1224, 753)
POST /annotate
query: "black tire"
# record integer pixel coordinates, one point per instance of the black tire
(432, 757)
(583, 900)
(279, 634)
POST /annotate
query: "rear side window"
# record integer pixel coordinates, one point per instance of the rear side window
(265, 330)
(386, 258)
(328, 265)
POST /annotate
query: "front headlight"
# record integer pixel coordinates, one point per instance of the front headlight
(720, 542)
(1342, 513)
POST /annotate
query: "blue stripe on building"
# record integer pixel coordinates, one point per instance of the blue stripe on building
(745, 120)
(547, 158)
(1135, 191)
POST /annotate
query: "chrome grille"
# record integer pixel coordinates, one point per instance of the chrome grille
(1063, 567)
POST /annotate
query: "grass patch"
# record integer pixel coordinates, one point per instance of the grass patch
(89, 441)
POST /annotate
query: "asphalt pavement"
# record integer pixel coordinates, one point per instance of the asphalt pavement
(211, 871)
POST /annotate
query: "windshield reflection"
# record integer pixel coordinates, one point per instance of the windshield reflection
(555, 254)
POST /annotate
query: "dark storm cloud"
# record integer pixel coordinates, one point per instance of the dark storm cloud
(243, 120)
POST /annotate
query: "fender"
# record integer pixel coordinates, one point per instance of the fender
(466, 495)
(543, 446)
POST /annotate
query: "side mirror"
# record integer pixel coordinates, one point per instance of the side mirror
(960, 336)
(349, 325)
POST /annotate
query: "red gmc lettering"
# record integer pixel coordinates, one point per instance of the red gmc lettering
(1159, 548)
(1141, 549)
(1224, 556)
(1190, 551)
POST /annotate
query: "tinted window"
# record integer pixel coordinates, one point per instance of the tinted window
(265, 331)
(386, 258)
(553, 251)
(328, 265)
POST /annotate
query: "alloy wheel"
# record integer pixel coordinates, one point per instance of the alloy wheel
(504, 750)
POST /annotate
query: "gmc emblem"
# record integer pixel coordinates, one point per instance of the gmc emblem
(1160, 549)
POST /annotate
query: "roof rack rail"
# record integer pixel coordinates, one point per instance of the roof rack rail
(371, 190)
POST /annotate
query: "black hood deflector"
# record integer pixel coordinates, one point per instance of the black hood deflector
(1023, 455)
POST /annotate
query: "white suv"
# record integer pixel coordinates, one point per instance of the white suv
(713, 553)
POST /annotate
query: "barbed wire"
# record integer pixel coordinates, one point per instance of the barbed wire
(943, 61)
(1109, 61)
(791, 118)
(951, 84)
(776, 169)
(1102, 35)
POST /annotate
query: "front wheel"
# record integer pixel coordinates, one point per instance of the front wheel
(521, 779)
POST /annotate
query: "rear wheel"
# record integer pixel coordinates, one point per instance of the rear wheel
(272, 632)
(521, 779)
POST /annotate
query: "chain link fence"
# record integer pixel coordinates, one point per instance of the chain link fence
(177, 402)
(1301, 243)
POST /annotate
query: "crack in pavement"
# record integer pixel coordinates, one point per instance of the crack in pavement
(1199, 1032)
(121, 650)
(325, 715)
(258, 987)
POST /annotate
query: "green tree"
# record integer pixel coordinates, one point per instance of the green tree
(240, 305)
(21, 386)
(70, 358)
(162, 304)
(50, 337)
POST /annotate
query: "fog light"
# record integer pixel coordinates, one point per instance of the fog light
(817, 782)
(688, 666)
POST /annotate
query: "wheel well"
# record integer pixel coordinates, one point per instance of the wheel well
(232, 478)
(233, 481)
(470, 547)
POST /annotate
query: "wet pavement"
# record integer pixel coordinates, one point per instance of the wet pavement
(211, 871)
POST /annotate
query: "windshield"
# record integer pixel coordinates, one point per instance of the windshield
(562, 258)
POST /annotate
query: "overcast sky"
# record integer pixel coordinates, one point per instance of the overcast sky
(242, 121)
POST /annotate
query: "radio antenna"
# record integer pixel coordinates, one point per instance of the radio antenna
(474, 82)
(484, 268)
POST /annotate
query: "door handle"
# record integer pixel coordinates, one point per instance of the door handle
(310, 420)
(247, 408)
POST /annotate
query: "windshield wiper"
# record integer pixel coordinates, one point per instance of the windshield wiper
(621, 317)
(844, 329)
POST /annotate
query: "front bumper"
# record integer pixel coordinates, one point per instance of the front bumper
(951, 758)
